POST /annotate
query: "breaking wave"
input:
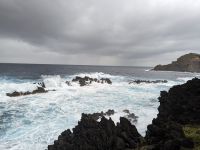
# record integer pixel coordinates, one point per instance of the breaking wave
(34, 121)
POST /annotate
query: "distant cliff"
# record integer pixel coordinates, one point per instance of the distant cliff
(186, 63)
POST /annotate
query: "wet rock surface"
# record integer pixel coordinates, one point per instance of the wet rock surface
(38, 90)
(87, 80)
(147, 81)
(104, 135)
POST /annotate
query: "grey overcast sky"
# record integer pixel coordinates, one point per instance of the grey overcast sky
(98, 32)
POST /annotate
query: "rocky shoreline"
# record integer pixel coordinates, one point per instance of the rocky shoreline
(186, 63)
(178, 113)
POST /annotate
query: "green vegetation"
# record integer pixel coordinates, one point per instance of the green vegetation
(193, 132)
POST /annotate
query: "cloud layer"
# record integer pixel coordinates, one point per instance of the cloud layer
(114, 32)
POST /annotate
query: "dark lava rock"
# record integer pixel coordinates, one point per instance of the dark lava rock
(106, 80)
(104, 135)
(110, 112)
(179, 106)
(148, 81)
(189, 62)
(98, 115)
(68, 83)
(182, 103)
(87, 80)
(130, 116)
(15, 93)
(38, 90)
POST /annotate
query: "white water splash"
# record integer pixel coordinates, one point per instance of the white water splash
(34, 121)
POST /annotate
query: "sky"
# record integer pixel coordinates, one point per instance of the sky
(98, 32)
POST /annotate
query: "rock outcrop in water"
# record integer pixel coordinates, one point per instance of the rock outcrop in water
(38, 90)
(130, 116)
(179, 112)
(147, 81)
(87, 80)
(104, 135)
(186, 63)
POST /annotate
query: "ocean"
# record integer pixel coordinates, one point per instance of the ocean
(33, 122)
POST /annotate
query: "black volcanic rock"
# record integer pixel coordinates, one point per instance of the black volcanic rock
(104, 135)
(38, 90)
(106, 80)
(130, 116)
(178, 107)
(182, 103)
(186, 63)
(147, 81)
(87, 80)
(98, 115)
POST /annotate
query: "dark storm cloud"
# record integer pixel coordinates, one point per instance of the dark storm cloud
(114, 32)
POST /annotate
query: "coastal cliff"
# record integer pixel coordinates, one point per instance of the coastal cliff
(177, 126)
(186, 63)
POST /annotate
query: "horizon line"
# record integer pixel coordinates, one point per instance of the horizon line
(72, 64)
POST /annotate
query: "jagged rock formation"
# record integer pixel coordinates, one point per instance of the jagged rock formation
(98, 115)
(104, 135)
(186, 63)
(178, 107)
(182, 103)
(130, 116)
(87, 80)
(38, 90)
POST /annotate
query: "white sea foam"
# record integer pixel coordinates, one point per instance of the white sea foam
(21, 87)
(34, 121)
(184, 79)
